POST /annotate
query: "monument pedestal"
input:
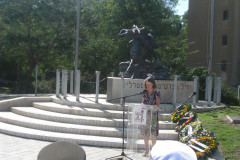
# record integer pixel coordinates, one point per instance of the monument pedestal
(133, 86)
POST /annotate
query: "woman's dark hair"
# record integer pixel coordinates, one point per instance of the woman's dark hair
(152, 80)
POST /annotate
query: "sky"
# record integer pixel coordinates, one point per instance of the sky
(181, 7)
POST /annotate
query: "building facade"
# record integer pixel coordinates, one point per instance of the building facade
(226, 39)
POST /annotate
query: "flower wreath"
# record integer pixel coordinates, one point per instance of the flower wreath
(191, 118)
(185, 136)
(180, 111)
(190, 128)
(211, 144)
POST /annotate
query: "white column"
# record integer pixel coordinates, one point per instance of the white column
(36, 80)
(65, 77)
(62, 82)
(57, 82)
(77, 86)
(206, 89)
(122, 77)
(112, 74)
(175, 90)
(238, 91)
(209, 91)
(97, 85)
(219, 90)
(195, 89)
(215, 89)
(71, 81)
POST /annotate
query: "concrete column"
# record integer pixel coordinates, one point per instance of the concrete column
(238, 91)
(209, 95)
(97, 85)
(122, 77)
(57, 82)
(112, 74)
(195, 89)
(62, 82)
(71, 81)
(36, 79)
(206, 89)
(175, 90)
(77, 86)
(219, 90)
(215, 89)
(65, 77)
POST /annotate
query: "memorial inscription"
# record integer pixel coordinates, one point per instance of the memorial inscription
(134, 86)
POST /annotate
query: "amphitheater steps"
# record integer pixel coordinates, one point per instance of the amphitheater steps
(83, 111)
(56, 136)
(23, 121)
(84, 123)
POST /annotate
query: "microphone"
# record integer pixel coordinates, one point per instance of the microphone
(193, 94)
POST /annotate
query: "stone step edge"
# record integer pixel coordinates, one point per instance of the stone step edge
(54, 136)
(83, 111)
(91, 112)
(14, 119)
(106, 105)
(77, 107)
(66, 118)
(7, 117)
(113, 106)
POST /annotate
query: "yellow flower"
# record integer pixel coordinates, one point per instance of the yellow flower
(202, 154)
(207, 150)
(211, 146)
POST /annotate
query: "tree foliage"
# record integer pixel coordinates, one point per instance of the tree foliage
(43, 32)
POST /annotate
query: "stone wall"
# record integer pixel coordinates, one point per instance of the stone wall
(135, 86)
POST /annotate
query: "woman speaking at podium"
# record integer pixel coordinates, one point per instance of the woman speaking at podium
(150, 97)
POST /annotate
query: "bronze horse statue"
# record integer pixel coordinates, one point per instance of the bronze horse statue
(141, 54)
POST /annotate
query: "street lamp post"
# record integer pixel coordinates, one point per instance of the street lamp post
(211, 37)
(77, 43)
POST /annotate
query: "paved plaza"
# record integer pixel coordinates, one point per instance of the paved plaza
(17, 148)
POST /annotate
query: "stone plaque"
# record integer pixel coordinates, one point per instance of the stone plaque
(135, 86)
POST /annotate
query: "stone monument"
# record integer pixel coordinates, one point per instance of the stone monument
(144, 62)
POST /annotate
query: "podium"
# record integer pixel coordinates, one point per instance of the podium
(139, 119)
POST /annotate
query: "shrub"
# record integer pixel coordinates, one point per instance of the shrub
(229, 95)
(46, 86)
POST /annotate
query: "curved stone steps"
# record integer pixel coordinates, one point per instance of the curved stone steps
(83, 111)
(166, 125)
(90, 103)
(15, 119)
(56, 136)
(102, 104)
(67, 118)
(80, 122)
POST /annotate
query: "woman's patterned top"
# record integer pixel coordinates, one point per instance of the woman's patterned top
(151, 100)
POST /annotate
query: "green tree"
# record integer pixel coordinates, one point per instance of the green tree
(43, 32)
(36, 32)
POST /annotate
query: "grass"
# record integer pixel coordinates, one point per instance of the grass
(228, 134)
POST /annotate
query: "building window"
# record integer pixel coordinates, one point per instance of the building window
(225, 15)
(224, 40)
(223, 66)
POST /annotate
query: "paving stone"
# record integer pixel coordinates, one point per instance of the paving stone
(234, 119)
